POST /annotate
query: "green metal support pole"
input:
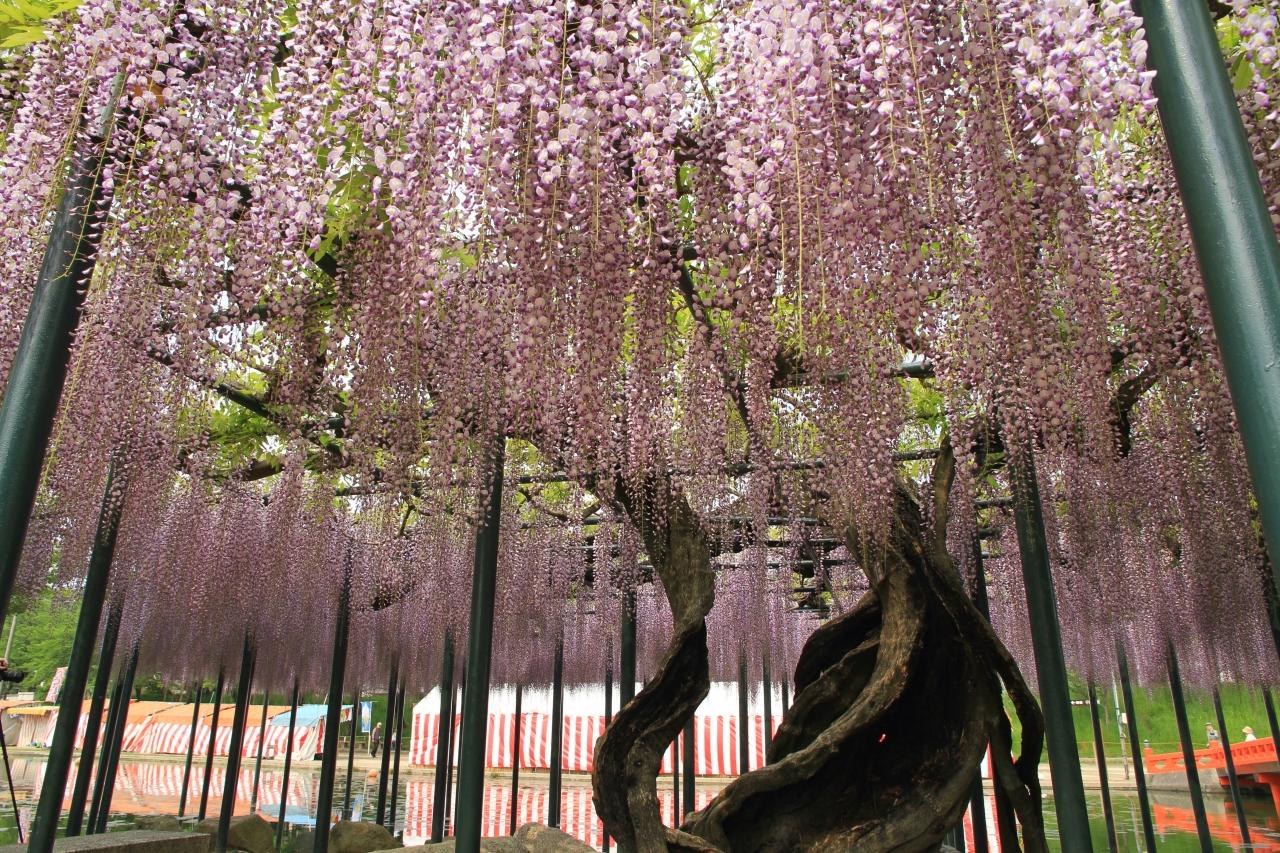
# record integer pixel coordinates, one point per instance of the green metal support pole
(475, 707)
(1135, 744)
(1188, 752)
(381, 813)
(288, 763)
(191, 749)
(333, 716)
(1272, 722)
(1234, 237)
(39, 368)
(1104, 783)
(786, 697)
(213, 741)
(1233, 780)
(58, 765)
(689, 753)
(116, 742)
(443, 744)
(977, 795)
(627, 651)
(257, 761)
(104, 756)
(13, 792)
(351, 755)
(608, 720)
(395, 762)
(1051, 667)
(744, 741)
(455, 751)
(235, 751)
(101, 686)
(768, 705)
(517, 744)
(675, 781)
(557, 737)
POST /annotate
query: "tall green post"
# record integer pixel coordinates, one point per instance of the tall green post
(555, 786)
(235, 751)
(381, 815)
(116, 743)
(39, 368)
(104, 754)
(744, 722)
(1272, 723)
(101, 684)
(262, 738)
(288, 761)
(1051, 666)
(395, 763)
(1104, 781)
(444, 742)
(1188, 751)
(213, 745)
(351, 755)
(191, 749)
(608, 721)
(1233, 779)
(333, 714)
(475, 699)
(767, 678)
(689, 755)
(1234, 237)
(1003, 813)
(1135, 744)
(627, 651)
(516, 745)
(58, 765)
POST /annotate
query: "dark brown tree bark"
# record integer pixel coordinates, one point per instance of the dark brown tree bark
(629, 755)
(896, 702)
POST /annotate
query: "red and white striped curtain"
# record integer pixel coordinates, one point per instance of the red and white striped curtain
(715, 741)
(151, 737)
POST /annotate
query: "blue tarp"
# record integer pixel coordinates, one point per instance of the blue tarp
(308, 715)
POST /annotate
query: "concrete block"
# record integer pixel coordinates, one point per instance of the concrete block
(133, 841)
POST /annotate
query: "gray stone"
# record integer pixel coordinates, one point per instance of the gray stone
(357, 836)
(505, 844)
(540, 838)
(248, 832)
(133, 841)
(155, 822)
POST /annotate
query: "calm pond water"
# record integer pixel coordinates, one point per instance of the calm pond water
(151, 787)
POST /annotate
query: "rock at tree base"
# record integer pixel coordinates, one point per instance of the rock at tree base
(487, 845)
(157, 822)
(540, 838)
(247, 832)
(530, 838)
(357, 836)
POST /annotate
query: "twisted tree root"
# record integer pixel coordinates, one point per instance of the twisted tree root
(896, 703)
(868, 759)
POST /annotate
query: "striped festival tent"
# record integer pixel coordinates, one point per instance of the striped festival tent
(164, 728)
(715, 733)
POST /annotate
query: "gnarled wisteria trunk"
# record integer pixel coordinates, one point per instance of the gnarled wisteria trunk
(896, 702)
